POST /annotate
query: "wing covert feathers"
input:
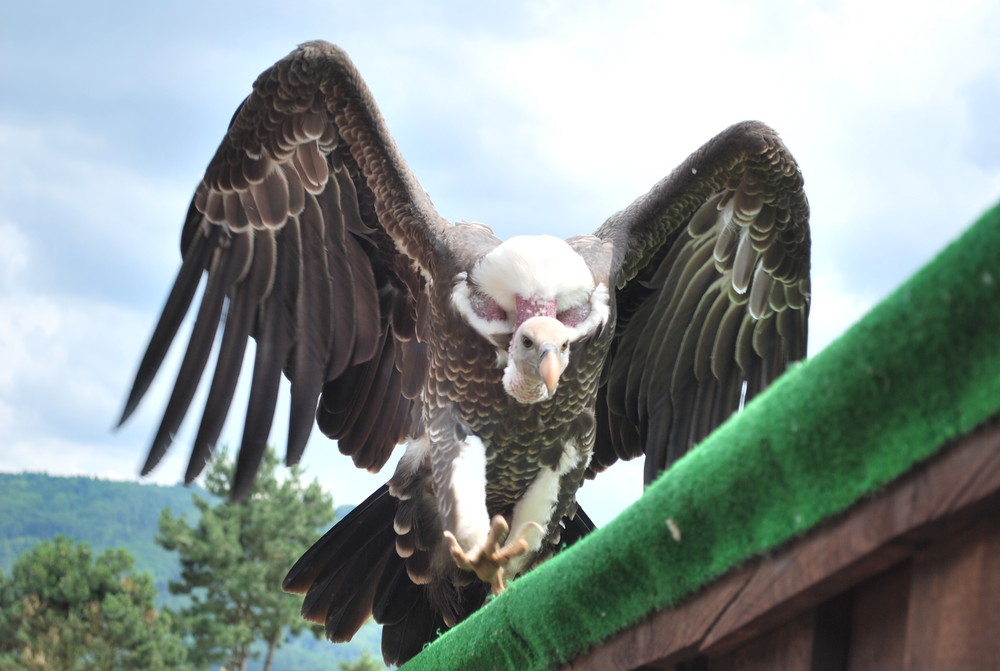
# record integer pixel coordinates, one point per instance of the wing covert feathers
(316, 240)
(712, 271)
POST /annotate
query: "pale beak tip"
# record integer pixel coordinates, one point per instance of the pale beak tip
(549, 368)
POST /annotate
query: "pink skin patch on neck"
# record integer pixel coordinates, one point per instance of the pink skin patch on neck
(486, 308)
(526, 308)
(575, 315)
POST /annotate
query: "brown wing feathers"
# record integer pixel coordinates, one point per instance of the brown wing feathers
(363, 409)
(227, 265)
(275, 337)
(294, 222)
(178, 301)
(314, 329)
(342, 280)
(239, 323)
(712, 299)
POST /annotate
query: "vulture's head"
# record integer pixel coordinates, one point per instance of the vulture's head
(532, 296)
(538, 355)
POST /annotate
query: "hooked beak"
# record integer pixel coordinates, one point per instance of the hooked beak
(548, 367)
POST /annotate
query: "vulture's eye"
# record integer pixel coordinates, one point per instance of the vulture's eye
(527, 342)
(565, 346)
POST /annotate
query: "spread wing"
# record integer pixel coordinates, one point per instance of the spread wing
(316, 240)
(712, 275)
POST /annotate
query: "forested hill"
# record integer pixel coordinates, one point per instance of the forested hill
(36, 507)
(106, 514)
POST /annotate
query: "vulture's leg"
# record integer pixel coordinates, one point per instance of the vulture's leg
(488, 562)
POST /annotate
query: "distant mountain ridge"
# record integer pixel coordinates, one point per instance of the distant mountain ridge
(105, 513)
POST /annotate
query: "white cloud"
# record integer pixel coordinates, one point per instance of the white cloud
(13, 256)
(94, 224)
(60, 368)
(833, 310)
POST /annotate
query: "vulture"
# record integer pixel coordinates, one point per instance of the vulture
(510, 370)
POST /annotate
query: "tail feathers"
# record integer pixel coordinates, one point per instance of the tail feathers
(405, 638)
(340, 572)
(326, 556)
(395, 595)
(354, 572)
(575, 526)
(427, 619)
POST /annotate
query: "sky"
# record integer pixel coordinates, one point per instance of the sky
(529, 116)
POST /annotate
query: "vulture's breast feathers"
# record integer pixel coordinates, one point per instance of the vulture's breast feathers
(532, 296)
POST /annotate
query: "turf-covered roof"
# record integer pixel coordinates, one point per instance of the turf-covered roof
(920, 369)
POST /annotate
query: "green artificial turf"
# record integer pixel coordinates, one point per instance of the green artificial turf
(919, 370)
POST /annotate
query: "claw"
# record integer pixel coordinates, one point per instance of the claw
(488, 561)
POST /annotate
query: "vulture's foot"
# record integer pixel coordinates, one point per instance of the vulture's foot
(488, 561)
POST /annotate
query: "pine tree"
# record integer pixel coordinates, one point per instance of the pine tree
(234, 559)
(62, 610)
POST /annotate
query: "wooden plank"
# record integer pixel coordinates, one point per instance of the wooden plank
(832, 633)
(932, 501)
(696, 664)
(788, 648)
(879, 532)
(953, 621)
(878, 621)
(664, 637)
(817, 640)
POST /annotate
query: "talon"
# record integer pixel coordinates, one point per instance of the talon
(489, 560)
(524, 530)
(499, 530)
(457, 553)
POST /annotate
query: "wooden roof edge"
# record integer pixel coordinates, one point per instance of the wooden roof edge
(936, 499)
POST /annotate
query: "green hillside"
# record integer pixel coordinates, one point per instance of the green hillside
(36, 507)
